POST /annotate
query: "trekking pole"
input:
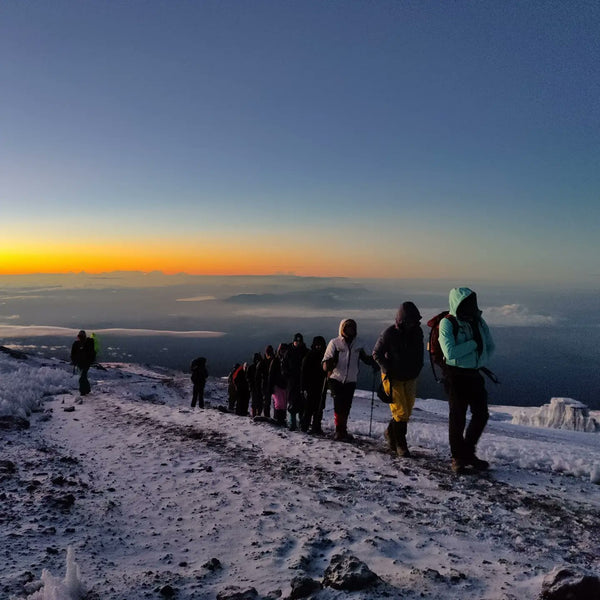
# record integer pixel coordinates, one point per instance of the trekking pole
(372, 402)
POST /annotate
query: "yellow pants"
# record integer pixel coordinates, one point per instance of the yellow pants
(403, 394)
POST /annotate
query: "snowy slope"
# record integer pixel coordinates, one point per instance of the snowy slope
(147, 492)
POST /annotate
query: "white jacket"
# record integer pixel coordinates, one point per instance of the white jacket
(348, 355)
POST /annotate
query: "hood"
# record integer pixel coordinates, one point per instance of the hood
(457, 297)
(318, 340)
(408, 313)
(344, 323)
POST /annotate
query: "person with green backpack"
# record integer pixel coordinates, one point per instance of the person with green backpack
(467, 346)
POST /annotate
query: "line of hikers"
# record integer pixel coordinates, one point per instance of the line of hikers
(295, 379)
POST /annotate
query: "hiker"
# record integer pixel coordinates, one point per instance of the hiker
(466, 351)
(278, 383)
(262, 374)
(313, 380)
(340, 361)
(399, 352)
(256, 393)
(295, 400)
(83, 355)
(198, 377)
(231, 391)
(242, 390)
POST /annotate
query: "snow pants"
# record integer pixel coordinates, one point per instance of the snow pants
(466, 390)
(403, 394)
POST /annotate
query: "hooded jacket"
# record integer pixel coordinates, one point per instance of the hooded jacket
(399, 351)
(313, 374)
(463, 351)
(346, 356)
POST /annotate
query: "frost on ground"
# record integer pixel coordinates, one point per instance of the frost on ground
(156, 500)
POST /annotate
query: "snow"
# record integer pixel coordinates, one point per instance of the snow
(130, 490)
(561, 413)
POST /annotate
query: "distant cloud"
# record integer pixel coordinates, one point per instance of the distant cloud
(516, 315)
(9, 331)
(196, 299)
(376, 314)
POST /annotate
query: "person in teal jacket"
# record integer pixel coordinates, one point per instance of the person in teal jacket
(467, 345)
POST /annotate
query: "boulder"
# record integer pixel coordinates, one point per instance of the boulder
(564, 583)
(346, 572)
(233, 592)
(304, 586)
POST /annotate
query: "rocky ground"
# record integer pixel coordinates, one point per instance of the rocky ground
(156, 500)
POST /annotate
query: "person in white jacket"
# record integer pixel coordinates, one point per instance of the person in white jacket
(340, 360)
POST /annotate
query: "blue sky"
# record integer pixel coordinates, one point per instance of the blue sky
(401, 139)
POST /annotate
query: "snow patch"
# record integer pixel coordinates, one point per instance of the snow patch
(54, 588)
(561, 413)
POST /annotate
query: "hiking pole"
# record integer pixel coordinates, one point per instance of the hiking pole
(372, 402)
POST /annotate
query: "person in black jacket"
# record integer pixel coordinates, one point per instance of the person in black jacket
(262, 375)
(313, 382)
(297, 350)
(242, 390)
(83, 354)
(198, 377)
(256, 392)
(399, 352)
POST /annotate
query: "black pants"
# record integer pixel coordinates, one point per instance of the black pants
(84, 384)
(466, 390)
(342, 394)
(198, 395)
(314, 410)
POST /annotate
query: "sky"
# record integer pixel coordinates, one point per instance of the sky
(129, 490)
(361, 139)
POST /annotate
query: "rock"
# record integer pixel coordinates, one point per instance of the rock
(14, 353)
(7, 466)
(563, 583)
(69, 409)
(212, 565)
(12, 422)
(233, 592)
(63, 502)
(303, 586)
(346, 572)
(166, 591)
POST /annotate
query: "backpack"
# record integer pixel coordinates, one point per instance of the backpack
(94, 346)
(436, 356)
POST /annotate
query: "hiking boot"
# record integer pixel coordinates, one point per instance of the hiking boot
(477, 463)
(400, 435)
(390, 437)
(458, 466)
(403, 452)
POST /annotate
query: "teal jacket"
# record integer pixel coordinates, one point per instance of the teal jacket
(461, 351)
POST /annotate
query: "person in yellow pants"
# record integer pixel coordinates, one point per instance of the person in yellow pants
(399, 352)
